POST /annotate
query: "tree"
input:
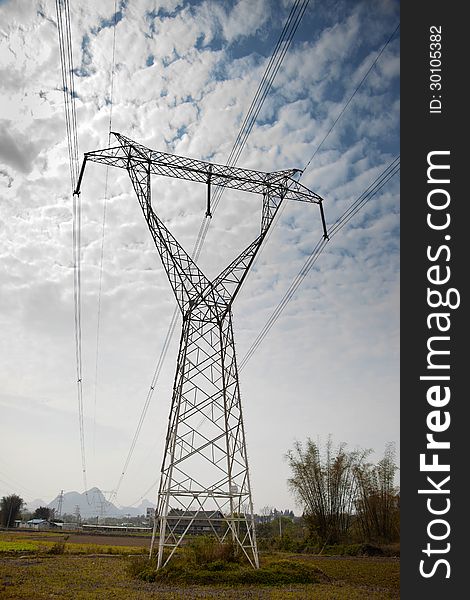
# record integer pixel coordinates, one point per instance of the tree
(42, 512)
(378, 502)
(326, 487)
(267, 514)
(10, 507)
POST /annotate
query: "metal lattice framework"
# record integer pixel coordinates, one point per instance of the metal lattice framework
(205, 483)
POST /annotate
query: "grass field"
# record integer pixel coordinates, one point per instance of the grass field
(28, 570)
(53, 543)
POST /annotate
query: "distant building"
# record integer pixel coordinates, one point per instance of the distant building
(150, 513)
(116, 528)
(38, 524)
(201, 522)
(73, 525)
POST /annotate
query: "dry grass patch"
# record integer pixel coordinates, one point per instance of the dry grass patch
(38, 569)
(67, 577)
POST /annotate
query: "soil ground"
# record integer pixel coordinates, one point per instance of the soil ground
(89, 575)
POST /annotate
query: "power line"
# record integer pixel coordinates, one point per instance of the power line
(112, 73)
(65, 49)
(322, 242)
(353, 94)
(66, 61)
(103, 226)
(343, 109)
(143, 414)
(277, 57)
(76, 241)
(291, 25)
(390, 171)
(206, 379)
(8, 481)
(147, 491)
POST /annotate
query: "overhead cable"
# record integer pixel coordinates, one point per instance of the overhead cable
(390, 171)
(340, 114)
(103, 226)
(356, 89)
(277, 57)
(67, 70)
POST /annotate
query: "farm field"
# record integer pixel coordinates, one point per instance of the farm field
(30, 570)
(77, 538)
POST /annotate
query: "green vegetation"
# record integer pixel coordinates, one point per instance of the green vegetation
(18, 546)
(218, 572)
(14, 543)
(377, 503)
(107, 577)
(369, 573)
(345, 547)
(10, 507)
(33, 569)
(344, 498)
(42, 512)
(204, 561)
(204, 550)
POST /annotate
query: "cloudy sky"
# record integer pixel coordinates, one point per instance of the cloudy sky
(185, 74)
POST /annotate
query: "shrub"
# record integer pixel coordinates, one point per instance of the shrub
(207, 550)
(229, 573)
(57, 548)
(142, 568)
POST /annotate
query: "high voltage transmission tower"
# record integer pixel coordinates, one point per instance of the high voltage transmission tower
(204, 475)
(60, 503)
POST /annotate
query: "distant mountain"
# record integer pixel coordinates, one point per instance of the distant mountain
(135, 511)
(93, 503)
(31, 506)
(90, 504)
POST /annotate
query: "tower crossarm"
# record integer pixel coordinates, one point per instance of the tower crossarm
(189, 284)
(129, 153)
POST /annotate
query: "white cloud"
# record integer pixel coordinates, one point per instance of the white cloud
(329, 365)
(243, 18)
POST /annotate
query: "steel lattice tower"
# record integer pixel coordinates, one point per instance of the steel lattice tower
(205, 480)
